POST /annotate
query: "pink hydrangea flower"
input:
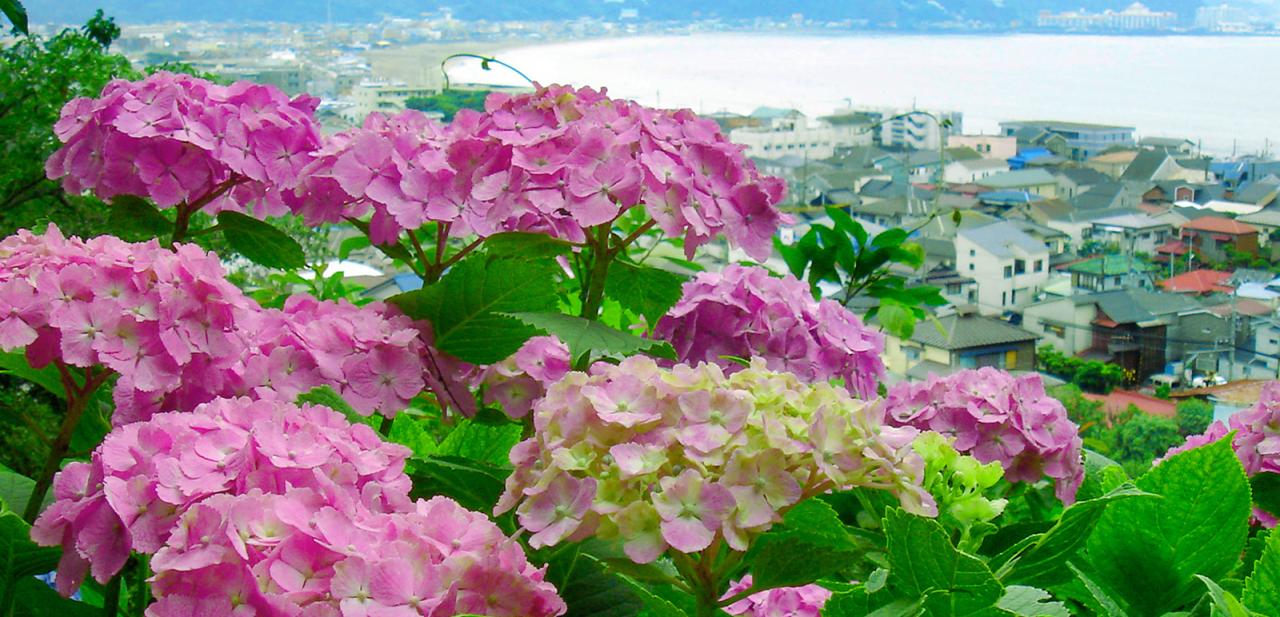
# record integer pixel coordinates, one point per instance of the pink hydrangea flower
(805, 601)
(178, 139)
(747, 313)
(179, 334)
(268, 507)
(997, 417)
(556, 161)
(676, 458)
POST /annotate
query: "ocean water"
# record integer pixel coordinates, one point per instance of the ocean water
(1223, 92)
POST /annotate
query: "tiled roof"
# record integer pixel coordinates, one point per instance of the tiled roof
(1197, 281)
(1118, 401)
(998, 238)
(1109, 265)
(1220, 224)
(969, 331)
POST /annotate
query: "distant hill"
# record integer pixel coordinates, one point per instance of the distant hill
(881, 13)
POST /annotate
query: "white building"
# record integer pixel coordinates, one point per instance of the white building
(1010, 267)
(815, 142)
(1131, 233)
(384, 97)
(1002, 147)
(972, 170)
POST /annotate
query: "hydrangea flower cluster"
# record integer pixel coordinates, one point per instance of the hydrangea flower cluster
(958, 483)
(179, 139)
(558, 160)
(747, 313)
(805, 601)
(678, 457)
(521, 380)
(995, 416)
(281, 509)
(1256, 441)
(179, 334)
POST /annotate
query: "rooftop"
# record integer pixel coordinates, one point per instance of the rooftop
(1018, 178)
(1220, 224)
(1069, 126)
(1117, 156)
(1118, 401)
(1125, 306)
(1109, 265)
(1002, 237)
(1267, 218)
(1130, 221)
(1198, 282)
(969, 331)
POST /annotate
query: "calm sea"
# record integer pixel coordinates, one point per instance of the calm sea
(1222, 91)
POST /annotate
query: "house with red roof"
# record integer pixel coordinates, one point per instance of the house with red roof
(1200, 282)
(1211, 235)
(1118, 401)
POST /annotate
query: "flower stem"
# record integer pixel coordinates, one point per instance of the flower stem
(77, 399)
(111, 596)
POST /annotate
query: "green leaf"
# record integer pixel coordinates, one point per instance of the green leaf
(33, 598)
(1031, 602)
(473, 484)
(642, 289)
(1199, 527)
(16, 14)
(15, 491)
(20, 557)
(1101, 476)
(352, 244)
(259, 242)
(810, 543)
(482, 440)
(467, 307)
(1223, 604)
(326, 396)
(1043, 561)
(896, 318)
(848, 225)
(525, 245)
(923, 562)
(857, 602)
(397, 251)
(1102, 602)
(15, 363)
(590, 589)
(1262, 588)
(1265, 487)
(583, 335)
(135, 218)
(411, 432)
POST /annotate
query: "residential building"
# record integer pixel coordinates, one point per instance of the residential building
(1223, 18)
(1002, 147)
(1263, 192)
(1073, 181)
(1156, 165)
(1201, 282)
(385, 97)
(973, 171)
(1083, 140)
(965, 341)
(1174, 145)
(904, 128)
(1135, 17)
(1035, 181)
(1130, 233)
(1112, 162)
(1009, 265)
(1127, 327)
(789, 136)
(1212, 235)
(959, 290)
(1108, 272)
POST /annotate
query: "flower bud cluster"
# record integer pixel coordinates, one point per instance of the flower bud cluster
(995, 416)
(674, 458)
